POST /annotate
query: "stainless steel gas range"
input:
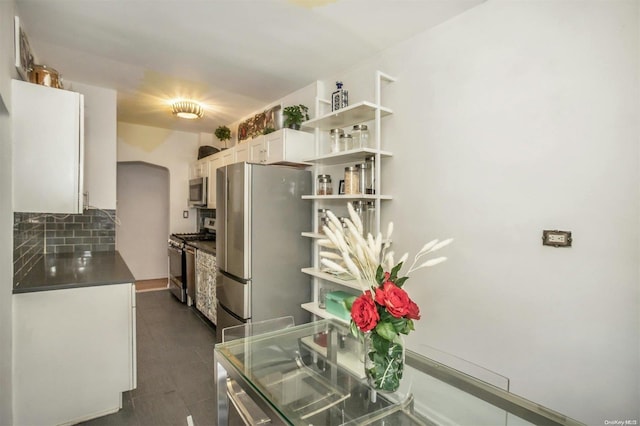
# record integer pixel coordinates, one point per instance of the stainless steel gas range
(182, 272)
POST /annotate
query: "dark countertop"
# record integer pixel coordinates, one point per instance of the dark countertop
(72, 270)
(205, 246)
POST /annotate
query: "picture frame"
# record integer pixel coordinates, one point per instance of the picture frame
(341, 187)
(23, 54)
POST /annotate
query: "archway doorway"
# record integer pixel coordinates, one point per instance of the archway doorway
(143, 210)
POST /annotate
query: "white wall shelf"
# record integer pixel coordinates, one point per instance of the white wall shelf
(331, 278)
(348, 116)
(344, 157)
(347, 197)
(322, 313)
(313, 235)
(361, 112)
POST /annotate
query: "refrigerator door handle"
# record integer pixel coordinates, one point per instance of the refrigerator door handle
(234, 278)
(234, 295)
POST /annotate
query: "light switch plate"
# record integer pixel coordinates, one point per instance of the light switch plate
(556, 238)
(185, 214)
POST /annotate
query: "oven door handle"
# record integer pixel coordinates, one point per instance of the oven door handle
(175, 249)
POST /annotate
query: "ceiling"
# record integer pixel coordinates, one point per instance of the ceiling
(233, 56)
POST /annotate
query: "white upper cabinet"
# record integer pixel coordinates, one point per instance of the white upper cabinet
(242, 152)
(257, 150)
(199, 169)
(48, 149)
(281, 146)
(228, 156)
(100, 130)
(214, 161)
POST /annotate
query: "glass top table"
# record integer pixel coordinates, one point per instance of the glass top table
(312, 374)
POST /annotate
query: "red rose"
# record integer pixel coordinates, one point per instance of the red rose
(364, 312)
(395, 299)
(414, 311)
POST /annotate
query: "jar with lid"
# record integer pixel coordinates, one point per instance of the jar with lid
(369, 213)
(362, 177)
(351, 180)
(359, 207)
(334, 139)
(346, 142)
(323, 220)
(324, 186)
(370, 175)
(360, 135)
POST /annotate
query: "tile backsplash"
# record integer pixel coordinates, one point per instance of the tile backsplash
(35, 234)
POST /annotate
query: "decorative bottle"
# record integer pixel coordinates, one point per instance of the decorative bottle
(339, 98)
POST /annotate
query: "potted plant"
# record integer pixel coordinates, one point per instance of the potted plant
(294, 115)
(223, 134)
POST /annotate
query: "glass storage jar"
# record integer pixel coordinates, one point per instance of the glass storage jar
(351, 180)
(324, 186)
(370, 175)
(359, 208)
(334, 139)
(369, 213)
(362, 177)
(322, 219)
(346, 142)
(360, 135)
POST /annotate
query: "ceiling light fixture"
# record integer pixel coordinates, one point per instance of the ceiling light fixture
(187, 109)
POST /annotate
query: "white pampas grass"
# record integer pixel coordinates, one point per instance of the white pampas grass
(358, 256)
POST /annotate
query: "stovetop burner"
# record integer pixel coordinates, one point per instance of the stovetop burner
(195, 236)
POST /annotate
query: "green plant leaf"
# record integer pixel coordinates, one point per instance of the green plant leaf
(355, 331)
(379, 343)
(385, 363)
(386, 330)
(394, 272)
(399, 324)
(400, 281)
(348, 302)
(379, 275)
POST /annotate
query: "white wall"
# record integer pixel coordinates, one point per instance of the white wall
(143, 210)
(513, 118)
(171, 149)
(7, 71)
(100, 143)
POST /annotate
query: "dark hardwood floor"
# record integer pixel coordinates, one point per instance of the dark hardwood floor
(175, 367)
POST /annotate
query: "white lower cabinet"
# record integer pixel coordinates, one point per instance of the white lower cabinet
(73, 353)
(206, 269)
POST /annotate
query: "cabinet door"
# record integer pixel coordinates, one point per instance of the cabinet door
(100, 141)
(48, 149)
(194, 170)
(74, 353)
(274, 147)
(242, 152)
(228, 156)
(215, 161)
(206, 284)
(288, 146)
(257, 151)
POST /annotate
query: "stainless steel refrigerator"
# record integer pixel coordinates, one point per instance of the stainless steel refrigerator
(259, 247)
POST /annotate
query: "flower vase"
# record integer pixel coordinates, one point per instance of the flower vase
(383, 361)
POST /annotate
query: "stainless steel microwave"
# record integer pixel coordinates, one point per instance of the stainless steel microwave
(198, 192)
